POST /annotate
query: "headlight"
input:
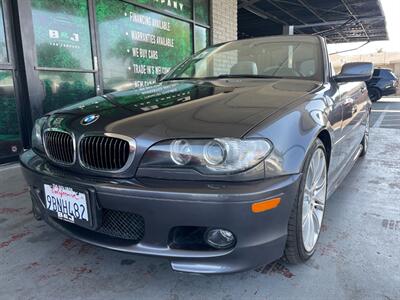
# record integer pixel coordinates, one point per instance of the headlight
(37, 143)
(208, 156)
(180, 152)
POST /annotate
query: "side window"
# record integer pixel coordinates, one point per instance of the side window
(388, 75)
(376, 73)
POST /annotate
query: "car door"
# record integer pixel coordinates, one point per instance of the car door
(338, 155)
(375, 78)
(352, 105)
(361, 103)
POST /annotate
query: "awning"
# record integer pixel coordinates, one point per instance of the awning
(339, 21)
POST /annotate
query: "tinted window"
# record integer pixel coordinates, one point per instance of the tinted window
(181, 8)
(201, 11)
(9, 131)
(388, 74)
(64, 88)
(376, 73)
(62, 34)
(201, 38)
(137, 44)
(3, 46)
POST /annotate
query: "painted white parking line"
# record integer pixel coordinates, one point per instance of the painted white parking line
(381, 117)
(385, 110)
(9, 167)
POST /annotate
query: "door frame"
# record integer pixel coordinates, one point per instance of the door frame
(13, 65)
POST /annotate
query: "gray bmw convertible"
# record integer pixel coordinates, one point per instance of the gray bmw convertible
(224, 164)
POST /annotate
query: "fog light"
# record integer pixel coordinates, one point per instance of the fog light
(220, 238)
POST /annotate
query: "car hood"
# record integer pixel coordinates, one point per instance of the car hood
(178, 109)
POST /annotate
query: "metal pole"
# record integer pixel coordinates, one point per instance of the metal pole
(288, 30)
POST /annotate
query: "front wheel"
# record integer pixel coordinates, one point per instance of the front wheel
(374, 94)
(308, 210)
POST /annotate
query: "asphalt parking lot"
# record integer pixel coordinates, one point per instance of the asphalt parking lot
(358, 256)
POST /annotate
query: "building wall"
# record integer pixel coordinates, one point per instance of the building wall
(224, 20)
(380, 60)
(396, 68)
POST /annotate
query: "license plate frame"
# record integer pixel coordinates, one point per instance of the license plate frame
(91, 207)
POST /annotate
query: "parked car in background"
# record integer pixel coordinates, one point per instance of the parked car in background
(383, 83)
(223, 165)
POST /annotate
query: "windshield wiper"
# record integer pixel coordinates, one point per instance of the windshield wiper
(179, 78)
(223, 76)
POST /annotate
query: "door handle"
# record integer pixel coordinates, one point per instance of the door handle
(363, 89)
(354, 109)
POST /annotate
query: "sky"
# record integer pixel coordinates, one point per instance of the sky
(391, 10)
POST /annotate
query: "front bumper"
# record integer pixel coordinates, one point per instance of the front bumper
(389, 91)
(167, 204)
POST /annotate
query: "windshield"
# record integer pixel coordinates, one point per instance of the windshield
(257, 58)
(393, 75)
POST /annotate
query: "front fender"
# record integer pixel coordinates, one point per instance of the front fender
(292, 132)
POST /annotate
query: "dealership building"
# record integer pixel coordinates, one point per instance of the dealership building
(58, 52)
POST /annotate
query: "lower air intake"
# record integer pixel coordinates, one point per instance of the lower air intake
(123, 225)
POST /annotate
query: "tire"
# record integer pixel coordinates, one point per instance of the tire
(298, 249)
(374, 94)
(365, 141)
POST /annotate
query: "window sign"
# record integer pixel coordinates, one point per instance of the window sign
(182, 8)
(3, 45)
(136, 44)
(62, 35)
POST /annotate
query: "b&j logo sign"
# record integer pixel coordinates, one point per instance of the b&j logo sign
(172, 3)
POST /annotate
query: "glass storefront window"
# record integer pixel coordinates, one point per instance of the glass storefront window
(62, 35)
(9, 127)
(3, 46)
(62, 40)
(64, 88)
(201, 11)
(182, 8)
(136, 44)
(201, 37)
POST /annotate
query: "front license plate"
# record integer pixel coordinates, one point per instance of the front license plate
(67, 204)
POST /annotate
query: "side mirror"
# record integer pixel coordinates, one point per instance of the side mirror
(159, 77)
(353, 72)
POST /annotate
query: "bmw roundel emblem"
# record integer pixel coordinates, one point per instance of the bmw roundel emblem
(90, 119)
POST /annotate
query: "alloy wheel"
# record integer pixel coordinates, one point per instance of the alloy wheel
(314, 199)
(374, 95)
